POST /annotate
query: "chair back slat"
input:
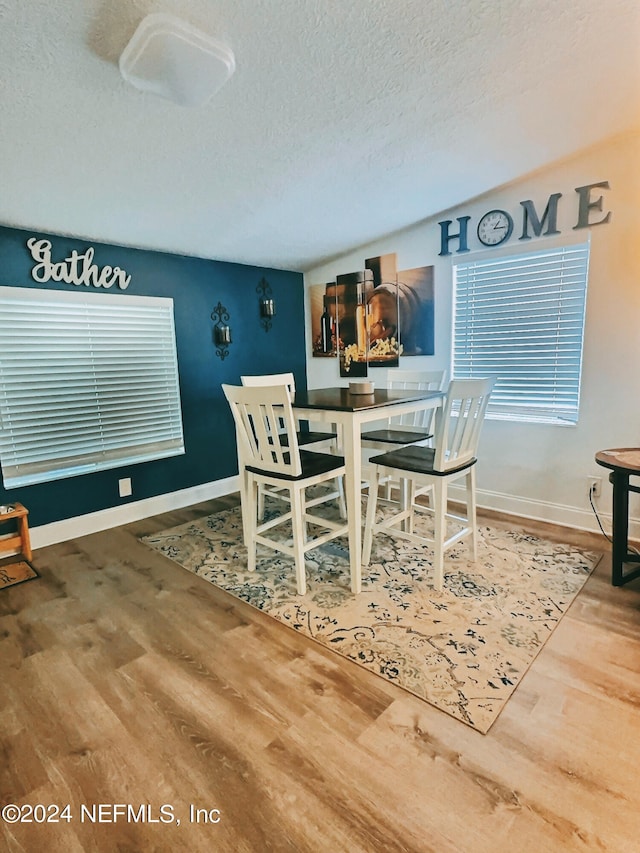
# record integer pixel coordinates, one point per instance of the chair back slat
(459, 422)
(266, 379)
(415, 380)
(265, 427)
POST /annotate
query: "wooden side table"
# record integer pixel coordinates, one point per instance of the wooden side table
(623, 462)
(20, 539)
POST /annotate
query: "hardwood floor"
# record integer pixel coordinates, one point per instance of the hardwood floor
(128, 680)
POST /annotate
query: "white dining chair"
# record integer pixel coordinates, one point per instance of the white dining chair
(452, 458)
(401, 430)
(306, 438)
(414, 428)
(268, 447)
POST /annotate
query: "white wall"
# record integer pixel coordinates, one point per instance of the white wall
(539, 470)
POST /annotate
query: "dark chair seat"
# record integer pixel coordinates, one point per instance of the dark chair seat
(416, 459)
(308, 437)
(312, 465)
(397, 436)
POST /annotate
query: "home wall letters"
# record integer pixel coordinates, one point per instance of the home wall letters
(503, 222)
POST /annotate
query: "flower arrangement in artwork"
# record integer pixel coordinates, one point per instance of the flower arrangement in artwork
(380, 350)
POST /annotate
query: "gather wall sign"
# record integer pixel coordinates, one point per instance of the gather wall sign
(77, 269)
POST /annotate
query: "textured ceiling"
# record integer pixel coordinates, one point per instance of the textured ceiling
(343, 121)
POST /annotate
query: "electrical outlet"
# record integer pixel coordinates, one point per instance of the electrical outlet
(124, 487)
(595, 486)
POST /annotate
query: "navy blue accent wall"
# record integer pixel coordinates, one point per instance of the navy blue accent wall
(195, 285)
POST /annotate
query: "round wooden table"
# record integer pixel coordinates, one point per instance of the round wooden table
(623, 462)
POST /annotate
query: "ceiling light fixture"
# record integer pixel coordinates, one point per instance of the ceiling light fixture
(172, 59)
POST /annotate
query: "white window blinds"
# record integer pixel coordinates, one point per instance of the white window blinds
(87, 382)
(521, 318)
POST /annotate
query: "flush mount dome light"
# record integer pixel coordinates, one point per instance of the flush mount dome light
(170, 58)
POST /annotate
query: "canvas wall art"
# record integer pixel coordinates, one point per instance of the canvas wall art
(370, 317)
(323, 321)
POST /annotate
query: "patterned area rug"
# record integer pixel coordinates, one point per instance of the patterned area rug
(14, 573)
(464, 649)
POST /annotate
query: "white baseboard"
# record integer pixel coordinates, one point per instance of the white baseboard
(566, 516)
(82, 525)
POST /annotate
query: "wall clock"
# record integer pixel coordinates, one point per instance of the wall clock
(495, 227)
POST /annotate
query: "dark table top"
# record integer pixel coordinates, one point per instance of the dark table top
(340, 400)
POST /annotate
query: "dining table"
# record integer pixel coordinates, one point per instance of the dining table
(350, 411)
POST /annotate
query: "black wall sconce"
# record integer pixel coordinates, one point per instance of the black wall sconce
(221, 330)
(267, 304)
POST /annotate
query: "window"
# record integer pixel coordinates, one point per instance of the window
(87, 382)
(521, 318)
